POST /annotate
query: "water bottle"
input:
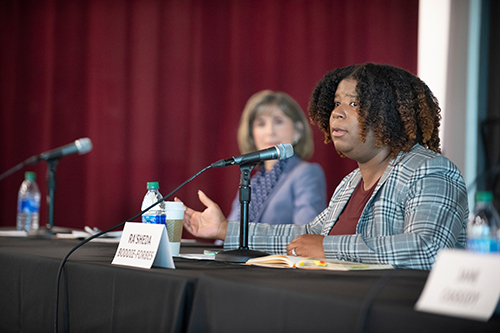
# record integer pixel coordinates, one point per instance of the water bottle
(157, 214)
(483, 226)
(28, 203)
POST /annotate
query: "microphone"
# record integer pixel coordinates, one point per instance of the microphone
(281, 151)
(80, 146)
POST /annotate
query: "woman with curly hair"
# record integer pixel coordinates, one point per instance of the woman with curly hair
(403, 203)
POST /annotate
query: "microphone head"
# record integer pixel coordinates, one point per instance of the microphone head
(285, 150)
(83, 145)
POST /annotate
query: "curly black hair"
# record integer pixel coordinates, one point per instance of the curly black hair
(399, 107)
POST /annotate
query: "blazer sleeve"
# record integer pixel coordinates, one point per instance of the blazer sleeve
(309, 188)
(235, 206)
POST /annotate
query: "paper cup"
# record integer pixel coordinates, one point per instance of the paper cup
(175, 216)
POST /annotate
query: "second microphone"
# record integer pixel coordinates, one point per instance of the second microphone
(281, 152)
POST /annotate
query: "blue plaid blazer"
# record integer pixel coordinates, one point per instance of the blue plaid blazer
(418, 207)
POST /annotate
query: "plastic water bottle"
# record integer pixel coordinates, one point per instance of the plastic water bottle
(28, 203)
(483, 228)
(157, 214)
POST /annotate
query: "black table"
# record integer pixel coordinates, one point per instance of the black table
(204, 296)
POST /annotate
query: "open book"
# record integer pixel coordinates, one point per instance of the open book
(281, 261)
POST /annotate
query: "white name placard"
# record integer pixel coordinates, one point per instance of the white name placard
(462, 284)
(143, 245)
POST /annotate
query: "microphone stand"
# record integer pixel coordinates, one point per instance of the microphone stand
(51, 187)
(49, 230)
(243, 253)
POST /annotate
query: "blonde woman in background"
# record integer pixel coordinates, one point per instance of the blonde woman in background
(289, 191)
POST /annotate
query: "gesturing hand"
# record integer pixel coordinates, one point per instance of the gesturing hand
(210, 223)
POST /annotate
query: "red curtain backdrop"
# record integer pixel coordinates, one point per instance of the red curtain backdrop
(159, 86)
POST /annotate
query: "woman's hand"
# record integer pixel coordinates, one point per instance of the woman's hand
(306, 245)
(210, 223)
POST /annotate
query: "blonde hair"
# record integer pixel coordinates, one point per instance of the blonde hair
(304, 148)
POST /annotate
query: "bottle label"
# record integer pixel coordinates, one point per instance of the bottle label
(155, 219)
(29, 205)
(483, 245)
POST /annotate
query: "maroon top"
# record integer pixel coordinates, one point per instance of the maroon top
(348, 219)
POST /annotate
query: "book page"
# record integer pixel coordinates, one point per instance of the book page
(311, 263)
(276, 260)
(282, 261)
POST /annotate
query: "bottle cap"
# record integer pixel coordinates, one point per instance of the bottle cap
(484, 196)
(30, 175)
(153, 185)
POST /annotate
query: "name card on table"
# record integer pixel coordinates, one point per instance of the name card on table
(462, 284)
(143, 245)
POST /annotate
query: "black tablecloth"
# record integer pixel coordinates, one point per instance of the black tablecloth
(204, 296)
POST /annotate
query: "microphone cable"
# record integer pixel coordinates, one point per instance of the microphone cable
(59, 271)
(31, 160)
(366, 306)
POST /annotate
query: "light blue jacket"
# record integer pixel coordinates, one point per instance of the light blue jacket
(297, 198)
